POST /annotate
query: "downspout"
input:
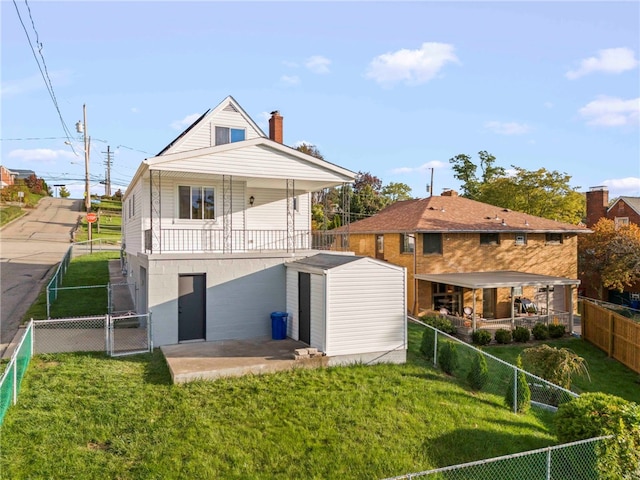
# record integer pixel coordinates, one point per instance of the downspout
(548, 312)
(415, 280)
(475, 314)
(513, 307)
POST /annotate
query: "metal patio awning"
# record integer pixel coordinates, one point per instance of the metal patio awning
(495, 279)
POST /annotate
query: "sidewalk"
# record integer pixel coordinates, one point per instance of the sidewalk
(121, 300)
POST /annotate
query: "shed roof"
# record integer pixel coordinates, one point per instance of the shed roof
(496, 279)
(325, 261)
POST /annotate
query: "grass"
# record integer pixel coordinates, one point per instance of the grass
(108, 228)
(122, 418)
(10, 213)
(607, 375)
(83, 271)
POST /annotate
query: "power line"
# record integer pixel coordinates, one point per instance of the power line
(45, 72)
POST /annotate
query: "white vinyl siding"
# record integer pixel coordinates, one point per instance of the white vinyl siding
(133, 236)
(376, 321)
(318, 314)
(293, 331)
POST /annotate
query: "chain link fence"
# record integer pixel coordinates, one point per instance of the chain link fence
(501, 378)
(570, 461)
(14, 372)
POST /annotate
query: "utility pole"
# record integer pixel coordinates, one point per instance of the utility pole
(107, 180)
(81, 127)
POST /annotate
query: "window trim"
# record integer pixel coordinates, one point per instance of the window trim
(490, 243)
(230, 131)
(202, 188)
(424, 244)
(524, 239)
(404, 244)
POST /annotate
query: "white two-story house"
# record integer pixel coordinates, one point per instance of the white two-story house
(211, 221)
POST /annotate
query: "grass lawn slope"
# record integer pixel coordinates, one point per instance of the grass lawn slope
(88, 416)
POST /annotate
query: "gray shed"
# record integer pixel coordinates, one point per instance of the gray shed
(351, 308)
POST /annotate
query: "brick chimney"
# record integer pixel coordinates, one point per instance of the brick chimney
(449, 193)
(275, 126)
(597, 204)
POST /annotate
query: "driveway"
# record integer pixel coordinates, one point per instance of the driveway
(30, 249)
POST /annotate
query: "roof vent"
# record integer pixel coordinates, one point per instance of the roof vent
(506, 210)
(230, 108)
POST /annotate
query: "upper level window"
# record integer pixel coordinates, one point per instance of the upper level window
(621, 222)
(196, 203)
(489, 239)
(553, 238)
(407, 243)
(521, 239)
(431, 243)
(228, 135)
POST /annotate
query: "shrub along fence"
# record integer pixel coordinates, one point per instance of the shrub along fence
(499, 377)
(612, 332)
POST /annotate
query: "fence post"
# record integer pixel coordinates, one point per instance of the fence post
(515, 390)
(15, 381)
(435, 347)
(107, 334)
(548, 463)
(109, 300)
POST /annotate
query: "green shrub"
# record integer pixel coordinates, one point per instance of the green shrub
(503, 336)
(521, 334)
(540, 331)
(428, 343)
(597, 414)
(523, 400)
(441, 323)
(557, 365)
(481, 337)
(448, 357)
(479, 373)
(556, 331)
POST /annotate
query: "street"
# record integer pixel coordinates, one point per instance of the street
(30, 249)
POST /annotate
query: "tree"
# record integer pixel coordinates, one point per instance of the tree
(521, 401)
(310, 149)
(394, 192)
(64, 193)
(540, 192)
(610, 256)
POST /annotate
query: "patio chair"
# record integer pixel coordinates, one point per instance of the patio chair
(468, 312)
(444, 311)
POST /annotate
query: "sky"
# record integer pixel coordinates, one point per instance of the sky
(391, 88)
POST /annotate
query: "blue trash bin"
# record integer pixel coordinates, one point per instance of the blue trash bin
(279, 325)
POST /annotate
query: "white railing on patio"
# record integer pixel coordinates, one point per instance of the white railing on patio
(210, 240)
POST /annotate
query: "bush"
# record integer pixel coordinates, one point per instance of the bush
(442, 324)
(523, 400)
(540, 331)
(556, 365)
(503, 336)
(521, 334)
(428, 342)
(448, 357)
(597, 414)
(481, 337)
(556, 331)
(479, 373)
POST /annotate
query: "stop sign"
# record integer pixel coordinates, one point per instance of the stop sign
(91, 217)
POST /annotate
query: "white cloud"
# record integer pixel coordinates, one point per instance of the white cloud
(33, 83)
(413, 67)
(609, 60)
(611, 111)
(507, 128)
(318, 64)
(41, 155)
(628, 185)
(435, 164)
(290, 80)
(185, 122)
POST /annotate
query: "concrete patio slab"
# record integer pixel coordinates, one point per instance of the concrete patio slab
(233, 358)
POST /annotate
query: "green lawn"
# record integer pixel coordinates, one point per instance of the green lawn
(88, 416)
(607, 375)
(83, 271)
(10, 213)
(108, 228)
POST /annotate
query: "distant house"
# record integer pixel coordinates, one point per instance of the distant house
(7, 177)
(623, 211)
(210, 225)
(465, 255)
(21, 174)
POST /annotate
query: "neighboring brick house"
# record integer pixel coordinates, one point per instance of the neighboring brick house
(7, 177)
(623, 211)
(462, 253)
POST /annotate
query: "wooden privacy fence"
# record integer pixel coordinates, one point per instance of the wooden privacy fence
(614, 333)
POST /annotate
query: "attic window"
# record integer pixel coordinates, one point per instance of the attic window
(489, 239)
(553, 238)
(226, 135)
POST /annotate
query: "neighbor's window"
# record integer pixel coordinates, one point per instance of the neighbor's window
(431, 243)
(621, 222)
(521, 239)
(196, 203)
(489, 239)
(228, 135)
(407, 243)
(553, 238)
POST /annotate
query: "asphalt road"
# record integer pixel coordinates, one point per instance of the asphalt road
(30, 250)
